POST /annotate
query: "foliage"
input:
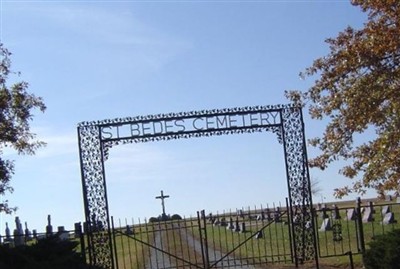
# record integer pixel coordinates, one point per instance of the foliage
(384, 252)
(357, 90)
(16, 106)
(47, 253)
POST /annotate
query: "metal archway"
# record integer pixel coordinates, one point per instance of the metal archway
(97, 137)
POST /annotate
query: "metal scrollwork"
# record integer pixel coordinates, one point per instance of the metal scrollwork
(299, 183)
(94, 150)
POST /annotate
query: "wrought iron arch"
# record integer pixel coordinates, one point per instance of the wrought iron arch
(97, 137)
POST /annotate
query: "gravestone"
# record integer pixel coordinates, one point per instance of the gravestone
(77, 229)
(230, 225)
(259, 235)
(240, 213)
(325, 225)
(8, 233)
(34, 233)
(323, 212)
(350, 214)
(223, 222)
(62, 233)
(18, 233)
(385, 209)
(268, 213)
(129, 230)
(389, 218)
(335, 213)
(367, 215)
(28, 235)
(261, 216)
(49, 228)
(398, 199)
(277, 215)
(216, 222)
(236, 226)
(242, 227)
(211, 219)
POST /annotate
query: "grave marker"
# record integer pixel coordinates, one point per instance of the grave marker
(162, 197)
(350, 214)
(389, 218)
(326, 225)
(367, 215)
(259, 235)
(385, 209)
(49, 228)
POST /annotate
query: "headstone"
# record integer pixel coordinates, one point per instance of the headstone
(367, 215)
(325, 225)
(62, 233)
(211, 218)
(261, 216)
(277, 215)
(242, 227)
(240, 213)
(28, 235)
(223, 222)
(230, 225)
(398, 199)
(259, 235)
(385, 209)
(389, 218)
(323, 212)
(18, 233)
(268, 214)
(8, 233)
(34, 233)
(129, 230)
(236, 226)
(336, 213)
(49, 228)
(350, 214)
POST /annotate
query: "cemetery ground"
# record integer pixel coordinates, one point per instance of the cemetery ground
(252, 238)
(247, 238)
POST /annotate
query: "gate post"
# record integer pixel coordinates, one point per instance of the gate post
(360, 227)
(203, 238)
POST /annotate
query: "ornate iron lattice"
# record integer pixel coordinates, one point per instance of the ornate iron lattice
(94, 151)
(298, 184)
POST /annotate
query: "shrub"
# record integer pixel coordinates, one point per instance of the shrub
(48, 253)
(384, 252)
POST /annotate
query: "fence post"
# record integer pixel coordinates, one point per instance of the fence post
(360, 228)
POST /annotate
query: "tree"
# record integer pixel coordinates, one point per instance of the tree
(358, 90)
(16, 108)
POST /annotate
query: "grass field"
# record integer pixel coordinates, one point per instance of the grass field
(273, 250)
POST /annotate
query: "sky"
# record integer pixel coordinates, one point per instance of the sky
(95, 60)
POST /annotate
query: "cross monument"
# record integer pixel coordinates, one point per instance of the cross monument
(162, 197)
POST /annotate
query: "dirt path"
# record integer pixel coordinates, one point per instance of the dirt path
(160, 260)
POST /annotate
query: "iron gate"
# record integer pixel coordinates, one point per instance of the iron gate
(243, 239)
(286, 121)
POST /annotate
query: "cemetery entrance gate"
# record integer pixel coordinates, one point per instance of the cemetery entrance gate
(286, 121)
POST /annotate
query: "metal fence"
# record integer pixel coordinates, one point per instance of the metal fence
(347, 230)
(242, 238)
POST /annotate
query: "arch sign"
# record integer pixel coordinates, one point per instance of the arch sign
(97, 137)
